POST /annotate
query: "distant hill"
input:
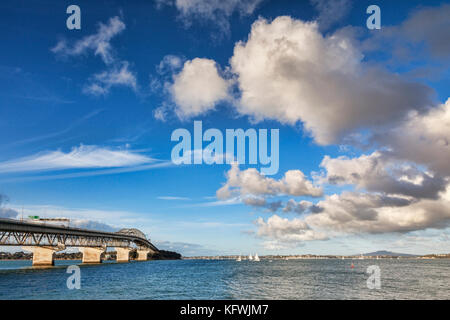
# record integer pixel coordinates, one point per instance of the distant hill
(388, 253)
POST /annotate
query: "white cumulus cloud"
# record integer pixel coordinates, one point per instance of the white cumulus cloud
(286, 231)
(288, 71)
(371, 213)
(251, 182)
(358, 213)
(197, 88)
(423, 138)
(378, 172)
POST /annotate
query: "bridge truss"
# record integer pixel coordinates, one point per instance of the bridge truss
(17, 233)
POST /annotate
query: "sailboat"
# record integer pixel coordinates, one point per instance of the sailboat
(239, 258)
(250, 258)
(256, 257)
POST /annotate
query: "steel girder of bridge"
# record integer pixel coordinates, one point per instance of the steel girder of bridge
(18, 233)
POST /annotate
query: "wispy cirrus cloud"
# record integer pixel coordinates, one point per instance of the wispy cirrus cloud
(172, 198)
(99, 43)
(119, 75)
(331, 11)
(82, 157)
(211, 10)
(217, 203)
(55, 134)
(424, 33)
(90, 173)
(22, 84)
(117, 72)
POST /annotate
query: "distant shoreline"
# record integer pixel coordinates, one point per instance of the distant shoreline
(311, 257)
(107, 256)
(20, 256)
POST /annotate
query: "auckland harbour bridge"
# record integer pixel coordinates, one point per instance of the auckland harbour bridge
(43, 240)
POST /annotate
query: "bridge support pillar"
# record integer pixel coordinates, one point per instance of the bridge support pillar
(43, 256)
(123, 254)
(91, 255)
(142, 255)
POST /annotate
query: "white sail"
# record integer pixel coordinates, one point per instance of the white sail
(250, 257)
(256, 257)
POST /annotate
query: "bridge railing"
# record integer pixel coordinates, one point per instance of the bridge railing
(14, 232)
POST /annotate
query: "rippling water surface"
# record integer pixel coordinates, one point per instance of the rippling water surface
(220, 279)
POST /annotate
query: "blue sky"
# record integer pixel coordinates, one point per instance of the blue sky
(86, 118)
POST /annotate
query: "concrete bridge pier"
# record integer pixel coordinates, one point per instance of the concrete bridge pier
(142, 255)
(91, 255)
(123, 254)
(43, 256)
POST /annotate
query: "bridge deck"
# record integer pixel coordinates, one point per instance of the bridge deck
(9, 225)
